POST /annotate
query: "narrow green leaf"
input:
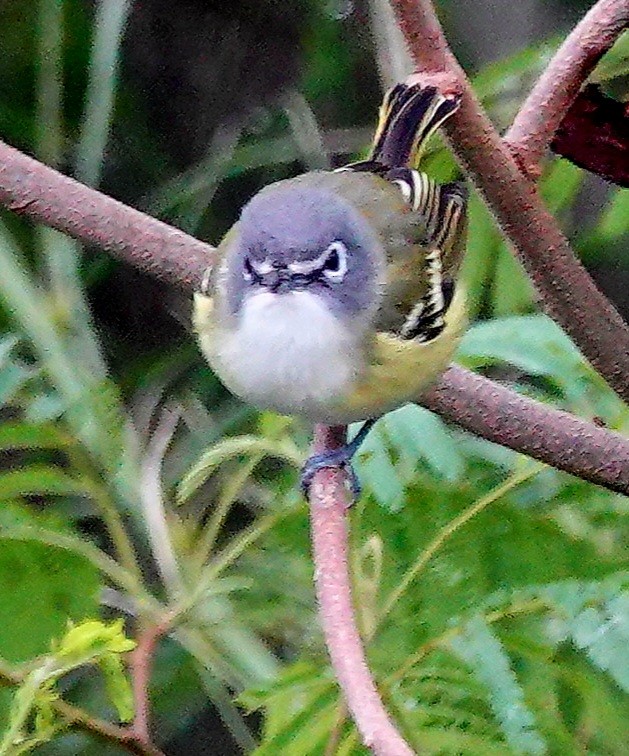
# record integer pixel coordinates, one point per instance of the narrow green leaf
(561, 184)
(42, 480)
(31, 436)
(417, 434)
(377, 473)
(512, 290)
(483, 247)
(308, 727)
(479, 647)
(117, 685)
(613, 224)
(231, 448)
(533, 343)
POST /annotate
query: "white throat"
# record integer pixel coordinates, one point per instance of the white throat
(290, 353)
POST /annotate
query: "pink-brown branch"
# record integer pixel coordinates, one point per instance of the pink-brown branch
(47, 196)
(328, 512)
(44, 195)
(141, 665)
(493, 411)
(550, 99)
(568, 293)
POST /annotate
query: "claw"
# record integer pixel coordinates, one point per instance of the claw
(337, 458)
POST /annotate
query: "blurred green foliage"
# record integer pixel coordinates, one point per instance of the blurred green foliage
(492, 591)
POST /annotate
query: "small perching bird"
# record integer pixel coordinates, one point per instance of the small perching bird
(334, 296)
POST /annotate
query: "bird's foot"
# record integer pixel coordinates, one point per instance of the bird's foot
(336, 458)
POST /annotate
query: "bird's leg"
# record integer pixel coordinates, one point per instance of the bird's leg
(336, 458)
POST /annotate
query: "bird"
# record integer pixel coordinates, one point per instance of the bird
(335, 295)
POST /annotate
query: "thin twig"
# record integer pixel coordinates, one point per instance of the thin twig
(568, 293)
(79, 719)
(328, 507)
(141, 663)
(121, 736)
(42, 194)
(548, 102)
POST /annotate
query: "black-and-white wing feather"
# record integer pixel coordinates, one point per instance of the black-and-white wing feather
(442, 209)
(408, 116)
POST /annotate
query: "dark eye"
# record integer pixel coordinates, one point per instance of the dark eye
(248, 273)
(335, 263)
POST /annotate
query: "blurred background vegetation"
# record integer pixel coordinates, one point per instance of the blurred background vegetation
(492, 589)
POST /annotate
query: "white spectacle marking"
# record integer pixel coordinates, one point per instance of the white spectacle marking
(261, 267)
(405, 189)
(305, 267)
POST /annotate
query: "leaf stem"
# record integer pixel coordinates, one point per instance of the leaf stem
(450, 529)
(226, 500)
(525, 607)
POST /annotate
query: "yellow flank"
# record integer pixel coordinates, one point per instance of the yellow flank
(204, 324)
(397, 372)
(401, 369)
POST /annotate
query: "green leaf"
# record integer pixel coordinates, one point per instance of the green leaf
(479, 647)
(512, 290)
(376, 471)
(613, 224)
(595, 617)
(30, 436)
(533, 343)
(90, 642)
(43, 587)
(89, 639)
(118, 686)
(483, 247)
(615, 62)
(561, 184)
(509, 75)
(40, 480)
(233, 448)
(604, 636)
(300, 708)
(417, 434)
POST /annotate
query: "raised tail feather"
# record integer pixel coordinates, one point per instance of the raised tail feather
(408, 117)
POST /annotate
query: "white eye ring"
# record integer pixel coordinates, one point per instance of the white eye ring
(336, 253)
(255, 268)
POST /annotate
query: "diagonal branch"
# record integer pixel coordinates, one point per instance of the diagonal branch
(42, 194)
(148, 638)
(78, 719)
(549, 435)
(568, 293)
(548, 102)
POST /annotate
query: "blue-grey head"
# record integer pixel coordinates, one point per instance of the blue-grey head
(296, 238)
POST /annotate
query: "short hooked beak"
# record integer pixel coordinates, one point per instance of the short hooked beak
(280, 280)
